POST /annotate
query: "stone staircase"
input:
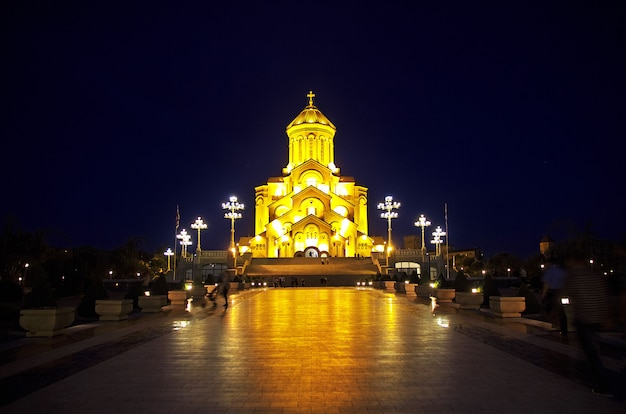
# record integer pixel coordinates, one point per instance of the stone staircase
(340, 271)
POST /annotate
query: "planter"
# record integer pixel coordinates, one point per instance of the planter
(507, 306)
(469, 300)
(424, 290)
(197, 294)
(406, 288)
(444, 295)
(389, 284)
(177, 297)
(114, 310)
(46, 321)
(378, 284)
(153, 303)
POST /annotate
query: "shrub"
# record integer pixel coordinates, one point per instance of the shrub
(159, 285)
(10, 291)
(532, 304)
(442, 283)
(87, 306)
(489, 289)
(134, 291)
(41, 295)
(461, 283)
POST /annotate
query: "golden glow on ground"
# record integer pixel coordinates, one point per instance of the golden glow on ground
(330, 350)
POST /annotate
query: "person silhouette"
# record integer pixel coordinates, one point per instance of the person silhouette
(224, 287)
(588, 292)
(551, 292)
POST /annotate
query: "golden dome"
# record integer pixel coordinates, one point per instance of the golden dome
(311, 115)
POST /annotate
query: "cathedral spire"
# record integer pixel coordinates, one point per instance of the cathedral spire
(310, 95)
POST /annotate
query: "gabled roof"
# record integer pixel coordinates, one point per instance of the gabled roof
(300, 225)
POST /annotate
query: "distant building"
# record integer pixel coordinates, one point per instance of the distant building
(545, 244)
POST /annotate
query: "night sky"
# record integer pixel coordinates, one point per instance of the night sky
(512, 113)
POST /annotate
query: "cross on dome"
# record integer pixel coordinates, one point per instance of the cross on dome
(310, 95)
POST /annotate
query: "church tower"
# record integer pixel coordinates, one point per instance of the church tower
(311, 210)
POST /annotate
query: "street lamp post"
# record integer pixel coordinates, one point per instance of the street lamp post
(438, 234)
(388, 206)
(169, 253)
(233, 206)
(423, 223)
(185, 240)
(199, 225)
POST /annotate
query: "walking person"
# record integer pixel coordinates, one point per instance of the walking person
(551, 292)
(588, 292)
(224, 287)
(212, 295)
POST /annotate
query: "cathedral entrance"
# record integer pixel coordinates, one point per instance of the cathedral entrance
(311, 251)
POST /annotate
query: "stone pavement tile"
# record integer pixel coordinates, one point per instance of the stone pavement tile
(319, 350)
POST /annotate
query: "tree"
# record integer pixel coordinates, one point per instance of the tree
(19, 251)
(500, 264)
(468, 265)
(129, 260)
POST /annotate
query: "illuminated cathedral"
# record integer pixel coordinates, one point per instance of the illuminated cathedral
(310, 210)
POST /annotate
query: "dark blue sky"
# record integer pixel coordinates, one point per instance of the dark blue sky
(511, 113)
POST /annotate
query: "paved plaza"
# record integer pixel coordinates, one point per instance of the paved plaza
(304, 350)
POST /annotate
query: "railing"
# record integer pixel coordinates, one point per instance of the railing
(409, 252)
(214, 253)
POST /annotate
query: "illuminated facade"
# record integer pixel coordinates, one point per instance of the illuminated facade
(311, 210)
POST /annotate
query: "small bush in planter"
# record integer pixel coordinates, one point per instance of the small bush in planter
(442, 283)
(87, 306)
(461, 283)
(41, 295)
(532, 304)
(489, 289)
(159, 285)
(10, 292)
(134, 291)
(415, 278)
